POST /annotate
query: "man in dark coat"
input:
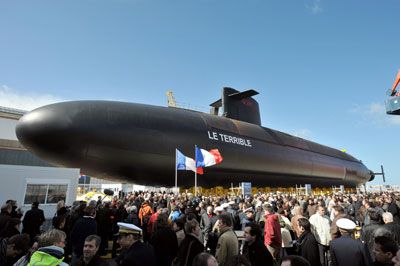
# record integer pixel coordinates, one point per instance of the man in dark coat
(84, 227)
(205, 221)
(164, 241)
(347, 251)
(32, 221)
(307, 245)
(135, 252)
(368, 231)
(191, 245)
(254, 249)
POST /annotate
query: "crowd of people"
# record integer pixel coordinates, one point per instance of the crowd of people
(143, 228)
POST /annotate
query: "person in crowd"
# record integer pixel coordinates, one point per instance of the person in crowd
(5, 215)
(104, 225)
(32, 221)
(15, 211)
(368, 231)
(212, 238)
(306, 245)
(175, 213)
(294, 260)
(61, 208)
(297, 214)
(287, 240)
(90, 255)
(191, 245)
(177, 226)
(228, 245)
(11, 229)
(347, 251)
(134, 251)
(247, 218)
(204, 259)
(390, 206)
(153, 219)
(50, 249)
(254, 249)
(145, 213)
(238, 260)
(133, 217)
(338, 214)
(384, 250)
(272, 232)
(11, 249)
(163, 240)
(391, 226)
(84, 227)
(311, 208)
(320, 226)
(205, 221)
(24, 260)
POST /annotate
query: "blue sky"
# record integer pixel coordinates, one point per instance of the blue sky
(322, 67)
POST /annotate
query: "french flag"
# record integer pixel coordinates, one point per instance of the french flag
(186, 163)
(207, 158)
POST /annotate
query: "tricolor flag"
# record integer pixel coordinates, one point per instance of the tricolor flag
(207, 158)
(186, 163)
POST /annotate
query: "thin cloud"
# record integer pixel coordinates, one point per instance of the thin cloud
(13, 99)
(315, 6)
(375, 114)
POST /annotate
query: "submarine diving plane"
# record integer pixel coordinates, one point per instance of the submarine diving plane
(135, 143)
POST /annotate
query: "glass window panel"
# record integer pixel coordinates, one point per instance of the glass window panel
(57, 193)
(34, 193)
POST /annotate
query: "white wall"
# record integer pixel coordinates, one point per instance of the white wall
(14, 179)
(7, 128)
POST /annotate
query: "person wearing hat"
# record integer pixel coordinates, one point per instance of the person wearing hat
(247, 218)
(134, 251)
(347, 251)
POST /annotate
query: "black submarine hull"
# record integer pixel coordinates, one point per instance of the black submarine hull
(136, 143)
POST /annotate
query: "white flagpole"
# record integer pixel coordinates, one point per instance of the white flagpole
(195, 172)
(176, 173)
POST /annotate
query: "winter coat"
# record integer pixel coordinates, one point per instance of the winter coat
(227, 246)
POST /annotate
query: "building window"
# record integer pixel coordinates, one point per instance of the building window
(45, 194)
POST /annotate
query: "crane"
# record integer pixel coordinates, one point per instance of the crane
(393, 103)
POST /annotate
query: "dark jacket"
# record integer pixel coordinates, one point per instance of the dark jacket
(165, 244)
(189, 248)
(33, 219)
(347, 251)
(83, 228)
(258, 254)
(394, 229)
(307, 247)
(5, 218)
(138, 254)
(3, 251)
(95, 261)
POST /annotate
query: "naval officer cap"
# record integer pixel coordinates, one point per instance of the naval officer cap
(125, 228)
(346, 224)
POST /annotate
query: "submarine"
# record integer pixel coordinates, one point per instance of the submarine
(136, 143)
